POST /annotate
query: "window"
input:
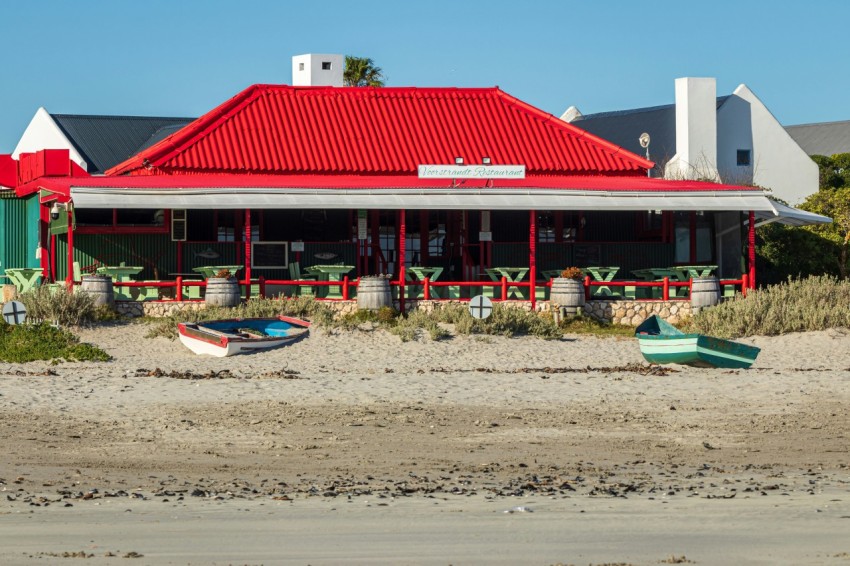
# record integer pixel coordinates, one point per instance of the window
(326, 65)
(300, 66)
(744, 157)
(545, 227)
(96, 220)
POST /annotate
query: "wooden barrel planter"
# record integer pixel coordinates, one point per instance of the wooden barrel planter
(222, 292)
(568, 294)
(100, 289)
(374, 293)
(705, 292)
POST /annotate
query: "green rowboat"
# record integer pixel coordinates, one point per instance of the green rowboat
(662, 343)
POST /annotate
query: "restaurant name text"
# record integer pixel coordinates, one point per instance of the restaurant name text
(472, 171)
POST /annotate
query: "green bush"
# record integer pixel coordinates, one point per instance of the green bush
(68, 309)
(504, 321)
(30, 342)
(797, 305)
(407, 327)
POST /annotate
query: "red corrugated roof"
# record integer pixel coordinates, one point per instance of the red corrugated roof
(278, 129)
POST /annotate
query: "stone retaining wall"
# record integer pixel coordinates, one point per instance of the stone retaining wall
(629, 313)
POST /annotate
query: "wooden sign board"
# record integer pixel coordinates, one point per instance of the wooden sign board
(269, 255)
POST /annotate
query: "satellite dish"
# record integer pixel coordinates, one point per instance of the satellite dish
(644, 140)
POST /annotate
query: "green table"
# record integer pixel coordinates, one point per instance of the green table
(604, 274)
(330, 273)
(694, 271)
(24, 278)
(212, 270)
(658, 274)
(512, 274)
(122, 273)
(432, 273)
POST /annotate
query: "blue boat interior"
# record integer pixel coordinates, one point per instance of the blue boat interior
(275, 328)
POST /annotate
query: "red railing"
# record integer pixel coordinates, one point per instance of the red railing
(503, 286)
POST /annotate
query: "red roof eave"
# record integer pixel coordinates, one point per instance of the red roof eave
(63, 185)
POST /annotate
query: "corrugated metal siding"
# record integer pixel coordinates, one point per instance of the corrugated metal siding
(13, 233)
(91, 250)
(286, 130)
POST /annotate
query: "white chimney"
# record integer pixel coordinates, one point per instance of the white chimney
(696, 128)
(317, 69)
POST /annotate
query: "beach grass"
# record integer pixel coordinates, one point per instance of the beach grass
(30, 342)
(796, 305)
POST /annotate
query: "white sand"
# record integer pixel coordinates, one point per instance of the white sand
(356, 447)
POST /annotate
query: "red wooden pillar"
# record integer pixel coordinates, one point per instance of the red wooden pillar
(532, 257)
(70, 279)
(43, 241)
(402, 244)
(247, 253)
(751, 250)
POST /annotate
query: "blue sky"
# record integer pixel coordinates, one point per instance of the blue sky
(173, 58)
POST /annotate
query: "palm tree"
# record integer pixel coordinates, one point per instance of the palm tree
(361, 71)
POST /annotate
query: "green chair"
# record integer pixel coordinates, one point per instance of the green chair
(255, 290)
(295, 275)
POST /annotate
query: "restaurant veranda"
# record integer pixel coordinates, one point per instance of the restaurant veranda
(451, 192)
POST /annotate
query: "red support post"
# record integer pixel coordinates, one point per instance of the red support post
(402, 244)
(427, 292)
(179, 293)
(344, 287)
(587, 287)
(665, 289)
(744, 285)
(504, 288)
(70, 278)
(532, 258)
(751, 249)
(247, 253)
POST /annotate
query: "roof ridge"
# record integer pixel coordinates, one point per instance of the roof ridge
(119, 116)
(836, 122)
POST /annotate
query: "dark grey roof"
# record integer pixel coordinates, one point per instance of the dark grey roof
(624, 127)
(106, 141)
(825, 138)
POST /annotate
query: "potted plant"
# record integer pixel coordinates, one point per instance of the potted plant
(222, 290)
(568, 290)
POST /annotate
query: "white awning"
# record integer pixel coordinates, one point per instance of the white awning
(790, 216)
(418, 199)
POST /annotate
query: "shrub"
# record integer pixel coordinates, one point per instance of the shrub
(68, 309)
(797, 305)
(572, 273)
(30, 342)
(223, 274)
(408, 327)
(504, 321)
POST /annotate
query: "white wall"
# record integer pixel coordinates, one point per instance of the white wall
(312, 73)
(696, 130)
(44, 133)
(778, 163)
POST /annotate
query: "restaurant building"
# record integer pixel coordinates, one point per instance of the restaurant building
(459, 185)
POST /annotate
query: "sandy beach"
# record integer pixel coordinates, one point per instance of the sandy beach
(353, 447)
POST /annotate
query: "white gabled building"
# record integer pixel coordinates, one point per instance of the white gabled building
(734, 139)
